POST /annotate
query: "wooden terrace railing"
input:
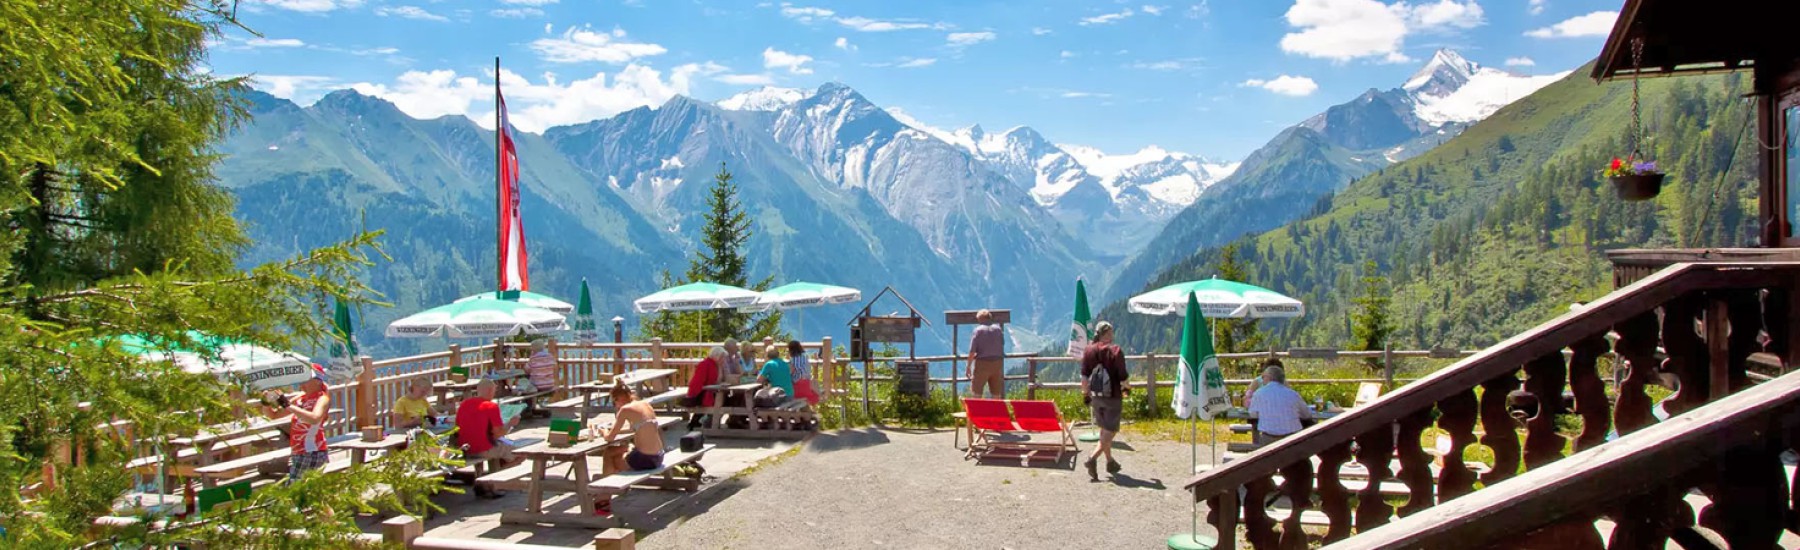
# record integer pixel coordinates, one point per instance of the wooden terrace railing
(1707, 320)
(1729, 450)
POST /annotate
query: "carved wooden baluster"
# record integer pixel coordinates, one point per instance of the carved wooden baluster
(1259, 528)
(1746, 324)
(1687, 357)
(1499, 430)
(1415, 465)
(1544, 378)
(1374, 449)
(1334, 500)
(1297, 485)
(1457, 416)
(1590, 392)
(1782, 316)
(1747, 495)
(1637, 347)
(1644, 521)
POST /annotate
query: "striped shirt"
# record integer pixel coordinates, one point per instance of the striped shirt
(802, 369)
(1278, 409)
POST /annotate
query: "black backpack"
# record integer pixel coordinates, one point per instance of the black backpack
(1100, 381)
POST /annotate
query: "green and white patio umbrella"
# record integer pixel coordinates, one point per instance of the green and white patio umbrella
(478, 318)
(803, 294)
(1081, 330)
(585, 330)
(254, 365)
(1218, 299)
(695, 297)
(529, 298)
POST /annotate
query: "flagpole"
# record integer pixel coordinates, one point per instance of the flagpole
(499, 183)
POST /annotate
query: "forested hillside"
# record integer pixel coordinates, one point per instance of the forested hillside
(1506, 225)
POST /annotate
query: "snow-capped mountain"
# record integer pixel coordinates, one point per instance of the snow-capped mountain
(1452, 89)
(766, 98)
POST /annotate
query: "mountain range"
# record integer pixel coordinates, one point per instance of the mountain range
(839, 189)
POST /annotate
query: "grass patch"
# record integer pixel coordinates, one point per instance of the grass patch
(767, 462)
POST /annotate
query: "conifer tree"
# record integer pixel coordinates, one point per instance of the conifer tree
(720, 260)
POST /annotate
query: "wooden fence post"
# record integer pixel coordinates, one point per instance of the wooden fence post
(830, 367)
(656, 354)
(555, 355)
(1387, 365)
(1031, 380)
(1150, 389)
(402, 530)
(365, 395)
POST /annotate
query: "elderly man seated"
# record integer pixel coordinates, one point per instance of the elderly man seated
(1278, 409)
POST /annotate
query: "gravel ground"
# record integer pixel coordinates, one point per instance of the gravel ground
(910, 489)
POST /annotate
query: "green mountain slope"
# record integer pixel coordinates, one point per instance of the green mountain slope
(1505, 225)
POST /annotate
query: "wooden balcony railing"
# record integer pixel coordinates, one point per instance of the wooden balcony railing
(1707, 319)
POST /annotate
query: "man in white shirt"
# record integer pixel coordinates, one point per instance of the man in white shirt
(1278, 409)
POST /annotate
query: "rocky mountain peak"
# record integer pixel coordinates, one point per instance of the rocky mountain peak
(1444, 73)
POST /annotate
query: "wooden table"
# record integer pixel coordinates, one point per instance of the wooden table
(717, 413)
(445, 388)
(637, 378)
(359, 449)
(542, 455)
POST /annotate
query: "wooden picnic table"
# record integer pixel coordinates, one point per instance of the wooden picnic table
(444, 389)
(543, 455)
(727, 393)
(359, 449)
(641, 377)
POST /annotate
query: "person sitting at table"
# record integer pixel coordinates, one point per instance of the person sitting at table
(705, 374)
(803, 380)
(646, 452)
(1278, 409)
(412, 410)
(480, 431)
(732, 369)
(779, 375)
(541, 367)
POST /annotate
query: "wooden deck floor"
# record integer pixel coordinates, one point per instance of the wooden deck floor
(647, 511)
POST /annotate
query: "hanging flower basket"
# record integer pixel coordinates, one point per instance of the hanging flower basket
(1635, 181)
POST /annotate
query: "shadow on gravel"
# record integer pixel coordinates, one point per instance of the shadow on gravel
(844, 440)
(1128, 482)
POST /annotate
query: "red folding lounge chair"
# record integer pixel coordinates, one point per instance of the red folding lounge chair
(1043, 417)
(988, 418)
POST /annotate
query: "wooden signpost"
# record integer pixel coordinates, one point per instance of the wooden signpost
(888, 329)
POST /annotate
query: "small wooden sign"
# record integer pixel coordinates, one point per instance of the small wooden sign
(892, 330)
(1313, 353)
(914, 377)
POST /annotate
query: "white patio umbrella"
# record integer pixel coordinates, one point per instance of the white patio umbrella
(696, 297)
(479, 318)
(258, 366)
(1219, 299)
(800, 294)
(532, 299)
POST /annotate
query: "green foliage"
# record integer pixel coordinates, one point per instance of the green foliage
(1371, 323)
(1236, 335)
(721, 261)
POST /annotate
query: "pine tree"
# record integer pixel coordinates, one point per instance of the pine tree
(116, 229)
(1372, 322)
(720, 260)
(1236, 335)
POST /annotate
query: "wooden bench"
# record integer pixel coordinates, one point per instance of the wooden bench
(669, 398)
(792, 419)
(621, 482)
(264, 462)
(517, 477)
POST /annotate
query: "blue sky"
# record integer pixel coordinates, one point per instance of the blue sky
(1215, 78)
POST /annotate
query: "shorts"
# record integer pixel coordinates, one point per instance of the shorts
(636, 460)
(1107, 411)
(803, 388)
(303, 462)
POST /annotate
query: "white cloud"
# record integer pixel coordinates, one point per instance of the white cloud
(746, 79)
(1079, 95)
(1066, 54)
(1520, 62)
(1536, 6)
(548, 27)
(376, 51)
(804, 14)
(843, 43)
(865, 24)
(1599, 23)
(409, 12)
(309, 6)
(1039, 31)
(516, 13)
(529, 2)
(913, 63)
(1296, 86)
(1106, 18)
(1154, 10)
(794, 63)
(259, 42)
(960, 39)
(1165, 65)
(1342, 30)
(582, 44)
(534, 106)
(300, 89)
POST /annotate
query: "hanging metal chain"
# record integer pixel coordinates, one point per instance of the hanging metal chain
(1637, 113)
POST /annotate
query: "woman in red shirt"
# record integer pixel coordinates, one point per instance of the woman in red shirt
(306, 433)
(705, 374)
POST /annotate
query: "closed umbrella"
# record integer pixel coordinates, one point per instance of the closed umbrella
(1080, 331)
(479, 318)
(344, 365)
(529, 298)
(585, 331)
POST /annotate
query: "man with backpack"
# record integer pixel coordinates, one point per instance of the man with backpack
(1103, 387)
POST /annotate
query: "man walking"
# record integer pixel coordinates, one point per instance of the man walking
(987, 358)
(1278, 409)
(1103, 377)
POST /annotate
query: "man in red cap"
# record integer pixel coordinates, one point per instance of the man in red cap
(306, 433)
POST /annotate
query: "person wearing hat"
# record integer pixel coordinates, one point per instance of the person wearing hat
(306, 433)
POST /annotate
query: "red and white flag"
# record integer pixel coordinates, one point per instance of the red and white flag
(512, 227)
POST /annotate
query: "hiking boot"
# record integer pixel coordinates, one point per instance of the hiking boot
(1093, 475)
(1112, 467)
